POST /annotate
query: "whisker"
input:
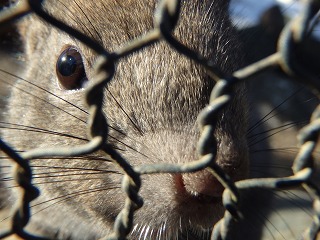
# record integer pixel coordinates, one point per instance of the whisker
(53, 182)
(45, 175)
(284, 150)
(265, 118)
(284, 221)
(91, 24)
(3, 166)
(298, 123)
(124, 111)
(71, 195)
(66, 180)
(263, 174)
(59, 174)
(265, 221)
(69, 168)
(52, 94)
(51, 174)
(292, 200)
(68, 102)
(271, 166)
(65, 198)
(129, 146)
(39, 130)
(282, 128)
(82, 158)
(43, 89)
(45, 101)
(6, 179)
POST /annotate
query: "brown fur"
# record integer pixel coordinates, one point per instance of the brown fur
(162, 92)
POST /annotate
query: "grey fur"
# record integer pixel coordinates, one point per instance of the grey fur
(161, 90)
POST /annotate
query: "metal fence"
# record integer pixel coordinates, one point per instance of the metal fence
(287, 57)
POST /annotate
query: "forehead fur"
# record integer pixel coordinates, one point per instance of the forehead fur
(120, 21)
(179, 87)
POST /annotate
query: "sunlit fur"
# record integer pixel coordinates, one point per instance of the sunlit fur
(151, 105)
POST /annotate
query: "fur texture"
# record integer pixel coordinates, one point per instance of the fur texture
(159, 90)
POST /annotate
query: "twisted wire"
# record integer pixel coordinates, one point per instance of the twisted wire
(287, 57)
(165, 20)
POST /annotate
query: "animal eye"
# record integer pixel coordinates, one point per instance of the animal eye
(70, 69)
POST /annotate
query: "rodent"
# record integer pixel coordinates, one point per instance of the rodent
(152, 104)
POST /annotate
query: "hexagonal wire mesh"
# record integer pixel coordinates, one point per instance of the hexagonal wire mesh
(167, 15)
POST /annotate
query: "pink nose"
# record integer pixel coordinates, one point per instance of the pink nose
(200, 183)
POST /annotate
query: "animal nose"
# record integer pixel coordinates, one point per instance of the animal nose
(201, 186)
(202, 183)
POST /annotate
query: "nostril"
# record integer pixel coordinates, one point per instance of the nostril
(202, 186)
(203, 183)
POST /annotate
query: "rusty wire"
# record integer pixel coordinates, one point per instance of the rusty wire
(166, 18)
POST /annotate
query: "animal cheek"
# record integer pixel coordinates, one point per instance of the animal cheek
(233, 158)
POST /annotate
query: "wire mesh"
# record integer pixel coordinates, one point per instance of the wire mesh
(166, 17)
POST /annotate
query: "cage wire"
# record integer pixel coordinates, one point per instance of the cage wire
(167, 14)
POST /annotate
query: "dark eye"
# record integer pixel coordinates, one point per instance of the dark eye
(70, 69)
